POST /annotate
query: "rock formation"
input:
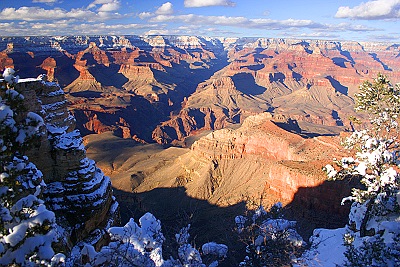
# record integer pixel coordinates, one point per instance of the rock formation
(258, 158)
(310, 81)
(77, 191)
(190, 84)
(257, 162)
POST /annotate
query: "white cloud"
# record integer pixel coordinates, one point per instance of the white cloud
(203, 3)
(67, 27)
(165, 9)
(158, 32)
(200, 20)
(318, 35)
(257, 24)
(386, 37)
(241, 22)
(37, 13)
(353, 27)
(109, 7)
(145, 15)
(105, 5)
(378, 9)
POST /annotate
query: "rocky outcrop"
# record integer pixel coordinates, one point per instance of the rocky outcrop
(258, 162)
(49, 65)
(260, 155)
(77, 191)
(192, 79)
(310, 81)
(5, 61)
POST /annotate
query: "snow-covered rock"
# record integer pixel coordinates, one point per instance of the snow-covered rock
(77, 191)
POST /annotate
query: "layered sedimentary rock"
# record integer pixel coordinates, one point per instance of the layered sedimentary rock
(310, 81)
(77, 191)
(258, 162)
(191, 83)
(49, 65)
(258, 155)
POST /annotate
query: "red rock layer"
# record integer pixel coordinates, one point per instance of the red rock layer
(49, 65)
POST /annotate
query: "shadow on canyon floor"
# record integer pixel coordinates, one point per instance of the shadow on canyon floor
(312, 207)
(246, 84)
(309, 130)
(320, 206)
(187, 79)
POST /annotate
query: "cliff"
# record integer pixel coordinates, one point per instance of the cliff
(307, 80)
(77, 191)
(189, 83)
(258, 161)
(258, 158)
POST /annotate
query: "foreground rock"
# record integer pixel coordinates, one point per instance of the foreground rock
(77, 191)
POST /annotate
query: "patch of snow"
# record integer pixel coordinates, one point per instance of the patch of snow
(213, 248)
(327, 249)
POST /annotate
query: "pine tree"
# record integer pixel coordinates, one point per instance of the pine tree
(375, 163)
(270, 239)
(135, 245)
(27, 229)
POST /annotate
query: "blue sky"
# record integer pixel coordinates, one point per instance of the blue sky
(377, 20)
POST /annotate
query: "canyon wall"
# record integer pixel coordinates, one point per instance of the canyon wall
(306, 80)
(166, 88)
(257, 163)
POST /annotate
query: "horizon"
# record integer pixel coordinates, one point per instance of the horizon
(205, 36)
(370, 21)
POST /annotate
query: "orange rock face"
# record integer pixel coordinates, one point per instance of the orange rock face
(259, 162)
(49, 65)
(5, 61)
(277, 164)
(195, 84)
(310, 81)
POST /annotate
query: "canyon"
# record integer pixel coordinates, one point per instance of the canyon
(167, 88)
(196, 129)
(223, 173)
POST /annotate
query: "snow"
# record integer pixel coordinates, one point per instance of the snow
(327, 245)
(56, 93)
(95, 198)
(26, 80)
(141, 245)
(6, 114)
(388, 177)
(8, 76)
(327, 249)
(33, 117)
(189, 256)
(260, 211)
(55, 130)
(213, 248)
(331, 172)
(54, 106)
(71, 140)
(58, 258)
(14, 94)
(240, 222)
(183, 236)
